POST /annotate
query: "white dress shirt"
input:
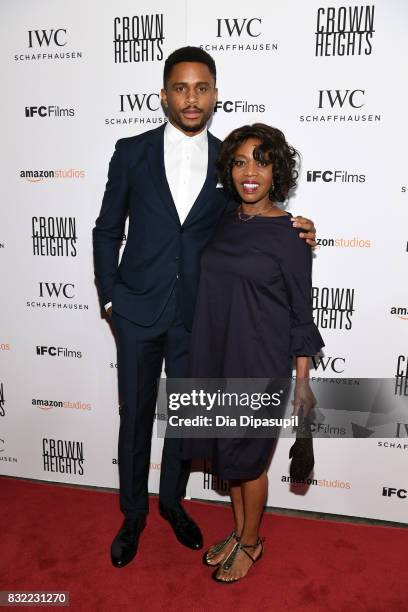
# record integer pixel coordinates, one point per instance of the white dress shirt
(186, 163)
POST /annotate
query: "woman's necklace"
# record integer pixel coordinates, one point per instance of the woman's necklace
(244, 217)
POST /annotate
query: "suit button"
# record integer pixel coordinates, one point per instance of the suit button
(181, 230)
(176, 258)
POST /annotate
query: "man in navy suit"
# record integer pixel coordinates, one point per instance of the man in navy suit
(165, 181)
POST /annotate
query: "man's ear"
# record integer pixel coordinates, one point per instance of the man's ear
(163, 96)
(215, 98)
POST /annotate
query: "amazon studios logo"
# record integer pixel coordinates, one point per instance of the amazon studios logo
(138, 39)
(344, 30)
(138, 108)
(401, 312)
(48, 404)
(333, 307)
(54, 236)
(38, 176)
(239, 34)
(56, 295)
(47, 44)
(63, 456)
(344, 243)
(340, 106)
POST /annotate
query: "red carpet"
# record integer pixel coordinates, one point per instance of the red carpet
(58, 538)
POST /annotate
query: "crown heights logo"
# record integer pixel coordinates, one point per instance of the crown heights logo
(138, 38)
(213, 482)
(401, 376)
(344, 30)
(54, 236)
(63, 456)
(2, 401)
(333, 307)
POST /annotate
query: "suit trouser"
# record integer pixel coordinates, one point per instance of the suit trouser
(141, 351)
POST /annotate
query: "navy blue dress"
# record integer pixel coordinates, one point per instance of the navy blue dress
(253, 315)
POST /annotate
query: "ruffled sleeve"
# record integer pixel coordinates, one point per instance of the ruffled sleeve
(297, 274)
(305, 340)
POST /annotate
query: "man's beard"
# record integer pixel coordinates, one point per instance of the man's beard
(195, 128)
(191, 128)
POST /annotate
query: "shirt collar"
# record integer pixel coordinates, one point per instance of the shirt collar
(176, 136)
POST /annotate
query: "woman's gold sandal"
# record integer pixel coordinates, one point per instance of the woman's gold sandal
(217, 548)
(228, 562)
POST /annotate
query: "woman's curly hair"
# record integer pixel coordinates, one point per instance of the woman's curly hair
(273, 150)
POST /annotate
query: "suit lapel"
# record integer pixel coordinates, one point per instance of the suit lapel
(209, 183)
(155, 158)
(157, 169)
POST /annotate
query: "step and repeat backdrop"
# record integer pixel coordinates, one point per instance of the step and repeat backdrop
(77, 76)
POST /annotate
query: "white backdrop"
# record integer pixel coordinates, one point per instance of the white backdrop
(342, 106)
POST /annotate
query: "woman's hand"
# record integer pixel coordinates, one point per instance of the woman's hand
(304, 399)
(309, 230)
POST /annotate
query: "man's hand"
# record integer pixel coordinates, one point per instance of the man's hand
(309, 233)
(109, 312)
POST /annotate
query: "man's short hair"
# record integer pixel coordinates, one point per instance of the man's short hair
(188, 54)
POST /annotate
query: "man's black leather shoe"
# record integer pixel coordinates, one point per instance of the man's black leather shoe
(124, 546)
(185, 529)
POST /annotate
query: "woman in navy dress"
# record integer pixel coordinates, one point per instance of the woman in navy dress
(253, 316)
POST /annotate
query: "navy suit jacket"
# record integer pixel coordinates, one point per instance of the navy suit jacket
(159, 251)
